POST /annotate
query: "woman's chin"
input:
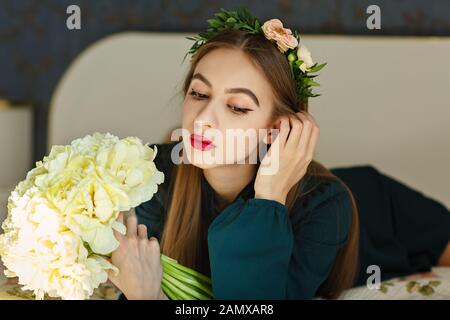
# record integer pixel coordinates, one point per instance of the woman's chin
(203, 160)
(204, 166)
(208, 159)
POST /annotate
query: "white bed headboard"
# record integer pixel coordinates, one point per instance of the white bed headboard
(385, 100)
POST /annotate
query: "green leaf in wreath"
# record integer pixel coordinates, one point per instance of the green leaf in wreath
(257, 25)
(317, 68)
(221, 15)
(298, 63)
(214, 23)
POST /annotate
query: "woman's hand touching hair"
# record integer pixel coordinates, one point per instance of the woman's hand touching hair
(295, 143)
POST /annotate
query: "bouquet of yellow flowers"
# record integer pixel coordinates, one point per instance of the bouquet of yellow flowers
(59, 229)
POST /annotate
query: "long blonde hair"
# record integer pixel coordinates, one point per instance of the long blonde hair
(185, 232)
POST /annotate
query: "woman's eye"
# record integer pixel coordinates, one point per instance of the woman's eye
(236, 109)
(198, 95)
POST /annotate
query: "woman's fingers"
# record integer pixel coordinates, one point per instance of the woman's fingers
(315, 126)
(154, 246)
(303, 134)
(306, 133)
(113, 278)
(311, 118)
(142, 231)
(132, 226)
(278, 140)
(284, 131)
(116, 233)
(313, 141)
(120, 217)
(295, 132)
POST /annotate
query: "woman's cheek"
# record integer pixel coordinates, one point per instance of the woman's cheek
(187, 116)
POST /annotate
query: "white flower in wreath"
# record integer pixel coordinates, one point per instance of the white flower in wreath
(305, 55)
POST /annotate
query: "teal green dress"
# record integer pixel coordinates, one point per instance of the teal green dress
(254, 249)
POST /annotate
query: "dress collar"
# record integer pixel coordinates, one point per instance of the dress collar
(209, 199)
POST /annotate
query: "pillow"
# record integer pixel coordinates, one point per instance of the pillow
(433, 285)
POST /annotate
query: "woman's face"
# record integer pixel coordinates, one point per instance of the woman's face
(228, 102)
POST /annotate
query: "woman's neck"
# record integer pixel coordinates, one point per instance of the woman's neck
(229, 180)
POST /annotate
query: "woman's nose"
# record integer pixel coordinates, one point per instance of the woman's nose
(201, 126)
(205, 119)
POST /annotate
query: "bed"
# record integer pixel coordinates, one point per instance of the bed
(433, 285)
(121, 73)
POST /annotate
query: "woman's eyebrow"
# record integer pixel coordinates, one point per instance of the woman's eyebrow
(201, 77)
(246, 91)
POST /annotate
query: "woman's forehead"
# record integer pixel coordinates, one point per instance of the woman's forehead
(231, 67)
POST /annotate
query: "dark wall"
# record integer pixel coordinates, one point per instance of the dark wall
(36, 47)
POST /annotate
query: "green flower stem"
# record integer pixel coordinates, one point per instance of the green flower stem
(185, 288)
(175, 264)
(169, 293)
(181, 295)
(186, 278)
(168, 259)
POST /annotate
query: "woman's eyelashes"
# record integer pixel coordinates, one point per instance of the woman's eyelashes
(198, 95)
(238, 110)
(233, 108)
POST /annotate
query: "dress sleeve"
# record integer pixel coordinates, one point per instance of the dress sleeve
(320, 229)
(250, 244)
(259, 251)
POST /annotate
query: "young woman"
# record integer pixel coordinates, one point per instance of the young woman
(293, 234)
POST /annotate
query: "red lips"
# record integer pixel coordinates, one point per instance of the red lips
(201, 143)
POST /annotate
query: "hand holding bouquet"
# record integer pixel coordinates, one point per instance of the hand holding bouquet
(62, 225)
(145, 273)
(59, 229)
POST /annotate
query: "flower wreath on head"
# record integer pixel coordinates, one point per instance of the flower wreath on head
(288, 43)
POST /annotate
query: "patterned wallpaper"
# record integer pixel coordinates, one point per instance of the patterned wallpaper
(36, 46)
